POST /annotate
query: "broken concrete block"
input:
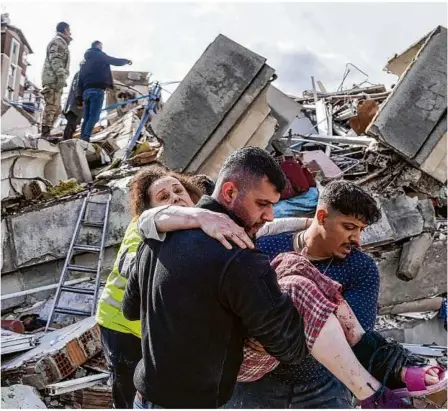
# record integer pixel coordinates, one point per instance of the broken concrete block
(403, 215)
(19, 167)
(412, 256)
(428, 213)
(75, 159)
(20, 396)
(208, 92)
(57, 356)
(379, 233)
(430, 281)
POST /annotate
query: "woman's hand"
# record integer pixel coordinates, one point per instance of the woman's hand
(222, 228)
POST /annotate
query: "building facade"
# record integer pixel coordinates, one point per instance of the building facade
(14, 52)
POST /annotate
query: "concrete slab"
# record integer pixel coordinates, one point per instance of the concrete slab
(238, 136)
(231, 118)
(418, 101)
(283, 108)
(205, 96)
(378, 233)
(264, 133)
(46, 274)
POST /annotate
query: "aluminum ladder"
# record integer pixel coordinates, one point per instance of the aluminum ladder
(75, 247)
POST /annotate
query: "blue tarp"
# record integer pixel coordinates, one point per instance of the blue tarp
(297, 206)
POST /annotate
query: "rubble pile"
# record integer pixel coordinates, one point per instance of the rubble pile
(66, 366)
(381, 139)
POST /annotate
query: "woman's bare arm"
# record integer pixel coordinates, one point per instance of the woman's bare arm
(283, 225)
(153, 223)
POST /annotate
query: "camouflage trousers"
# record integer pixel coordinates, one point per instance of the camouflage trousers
(52, 108)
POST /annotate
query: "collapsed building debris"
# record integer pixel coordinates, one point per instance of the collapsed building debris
(360, 135)
(57, 356)
(225, 102)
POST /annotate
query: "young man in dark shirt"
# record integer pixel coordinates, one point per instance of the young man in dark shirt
(198, 301)
(333, 245)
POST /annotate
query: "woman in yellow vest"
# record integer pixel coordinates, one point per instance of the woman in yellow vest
(154, 186)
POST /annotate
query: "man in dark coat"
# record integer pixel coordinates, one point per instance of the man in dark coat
(72, 109)
(94, 78)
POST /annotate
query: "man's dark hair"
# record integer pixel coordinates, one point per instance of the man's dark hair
(205, 183)
(96, 43)
(62, 26)
(351, 200)
(255, 162)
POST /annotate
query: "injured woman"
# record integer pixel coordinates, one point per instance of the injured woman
(377, 371)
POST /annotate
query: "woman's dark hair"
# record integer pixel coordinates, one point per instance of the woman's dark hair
(205, 183)
(140, 183)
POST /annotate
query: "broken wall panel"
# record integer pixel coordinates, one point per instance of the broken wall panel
(231, 119)
(283, 108)
(50, 229)
(413, 118)
(201, 101)
(238, 137)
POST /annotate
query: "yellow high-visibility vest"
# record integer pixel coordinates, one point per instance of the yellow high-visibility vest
(109, 313)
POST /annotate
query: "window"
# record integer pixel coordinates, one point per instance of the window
(9, 93)
(15, 48)
(24, 57)
(12, 71)
(12, 75)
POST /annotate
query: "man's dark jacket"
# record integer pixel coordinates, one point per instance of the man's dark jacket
(95, 72)
(197, 302)
(71, 105)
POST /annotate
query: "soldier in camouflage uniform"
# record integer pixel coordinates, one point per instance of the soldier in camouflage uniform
(54, 76)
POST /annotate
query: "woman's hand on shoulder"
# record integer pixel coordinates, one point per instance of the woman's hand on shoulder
(222, 228)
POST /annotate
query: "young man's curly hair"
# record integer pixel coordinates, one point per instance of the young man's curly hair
(140, 183)
(351, 200)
